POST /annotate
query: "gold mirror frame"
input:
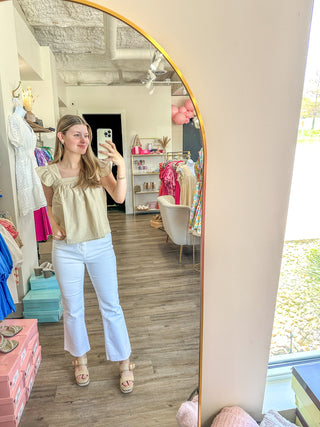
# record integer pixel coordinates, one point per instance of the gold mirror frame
(167, 57)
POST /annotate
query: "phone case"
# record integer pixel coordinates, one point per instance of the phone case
(103, 135)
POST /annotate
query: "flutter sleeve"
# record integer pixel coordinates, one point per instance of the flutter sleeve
(106, 168)
(46, 176)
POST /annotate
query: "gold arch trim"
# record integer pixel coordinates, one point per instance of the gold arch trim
(164, 53)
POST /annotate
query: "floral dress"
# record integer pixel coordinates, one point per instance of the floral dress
(196, 209)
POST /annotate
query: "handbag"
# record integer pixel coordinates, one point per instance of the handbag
(136, 146)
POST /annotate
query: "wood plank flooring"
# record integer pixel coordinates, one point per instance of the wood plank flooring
(161, 302)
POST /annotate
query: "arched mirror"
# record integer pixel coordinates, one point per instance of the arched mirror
(97, 65)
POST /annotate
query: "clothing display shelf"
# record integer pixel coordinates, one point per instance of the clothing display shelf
(38, 129)
(145, 181)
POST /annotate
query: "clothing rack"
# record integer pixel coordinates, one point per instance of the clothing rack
(178, 155)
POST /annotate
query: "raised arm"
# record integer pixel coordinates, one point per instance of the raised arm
(117, 188)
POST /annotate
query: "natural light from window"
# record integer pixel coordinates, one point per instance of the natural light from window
(297, 319)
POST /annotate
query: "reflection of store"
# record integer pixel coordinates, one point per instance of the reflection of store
(51, 98)
(140, 111)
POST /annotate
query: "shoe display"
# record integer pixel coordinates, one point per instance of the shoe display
(9, 331)
(7, 345)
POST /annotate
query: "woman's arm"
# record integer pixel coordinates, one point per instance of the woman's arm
(116, 188)
(57, 232)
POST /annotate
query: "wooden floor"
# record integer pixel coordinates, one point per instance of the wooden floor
(161, 302)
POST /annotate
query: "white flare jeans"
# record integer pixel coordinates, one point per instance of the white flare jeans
(69, 262)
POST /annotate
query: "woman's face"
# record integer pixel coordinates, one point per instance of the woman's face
(76, 139)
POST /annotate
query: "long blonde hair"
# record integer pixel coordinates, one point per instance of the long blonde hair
(90, 170)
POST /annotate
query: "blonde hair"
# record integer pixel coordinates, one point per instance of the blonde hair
(90, 169)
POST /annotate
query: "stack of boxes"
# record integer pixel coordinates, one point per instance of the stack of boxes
(43, 301)
(17, 371)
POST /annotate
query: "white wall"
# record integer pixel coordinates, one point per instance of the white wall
(145, 115)
(245, 64)
(45, 91)
(9, 78)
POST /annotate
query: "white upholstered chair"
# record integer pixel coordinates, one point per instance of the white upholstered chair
(175, 220)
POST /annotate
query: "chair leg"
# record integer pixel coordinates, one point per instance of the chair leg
(181, 247)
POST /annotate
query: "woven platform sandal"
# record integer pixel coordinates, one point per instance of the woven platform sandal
(126, 375)
(80, 368)
(7, 345)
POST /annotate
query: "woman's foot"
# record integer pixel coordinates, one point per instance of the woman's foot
(81, 372)
(126, 376)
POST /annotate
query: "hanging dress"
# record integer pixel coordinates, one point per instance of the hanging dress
(41, 219)
(6, 302)
(17, 259)
(30, 192)
(196, 210)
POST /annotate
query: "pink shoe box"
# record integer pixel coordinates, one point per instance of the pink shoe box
(29, 326)
(20, 352)
(37, 359)
(34, 344)
(8, 405)
(15, 391)
(10, 372)
(27, 367)
(30, 382)
(14, 419)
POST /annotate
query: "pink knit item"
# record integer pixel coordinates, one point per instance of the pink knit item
(187, 415)
(233, 417)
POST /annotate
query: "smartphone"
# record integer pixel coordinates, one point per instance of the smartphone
(103, 135)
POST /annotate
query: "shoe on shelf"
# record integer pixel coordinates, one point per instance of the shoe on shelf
(80, 369)
(7, 345)
(37, 271)
(126, 376)
(9, 331)
(47, 269)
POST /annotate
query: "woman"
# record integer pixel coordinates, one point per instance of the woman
(74, 185)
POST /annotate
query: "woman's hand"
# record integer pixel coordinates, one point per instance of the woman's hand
(58, 233)
(112, 153)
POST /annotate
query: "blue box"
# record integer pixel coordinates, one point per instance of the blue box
(42, 300)
(44, 316)
(40, 282)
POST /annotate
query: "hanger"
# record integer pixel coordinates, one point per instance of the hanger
(15, 90)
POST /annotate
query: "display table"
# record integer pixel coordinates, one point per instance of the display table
(306, 385)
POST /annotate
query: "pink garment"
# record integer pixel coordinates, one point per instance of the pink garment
(42, 223)
(233, 417)
(169, 182)
(187, 415)
(9, 226)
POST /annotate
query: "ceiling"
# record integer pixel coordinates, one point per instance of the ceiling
(92, 47)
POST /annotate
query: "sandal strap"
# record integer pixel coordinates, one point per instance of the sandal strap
(82, 370)
(7, 345)
(126, 368)
(80, 361)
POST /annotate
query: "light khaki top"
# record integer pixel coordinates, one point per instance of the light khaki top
(81, 213)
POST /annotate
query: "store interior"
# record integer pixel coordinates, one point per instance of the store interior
(117, 80)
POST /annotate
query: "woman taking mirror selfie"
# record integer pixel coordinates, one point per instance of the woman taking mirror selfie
(74, 185)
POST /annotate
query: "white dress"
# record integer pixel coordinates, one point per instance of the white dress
(30, 192)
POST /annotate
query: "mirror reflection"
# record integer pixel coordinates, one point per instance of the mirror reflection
(72, 59)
